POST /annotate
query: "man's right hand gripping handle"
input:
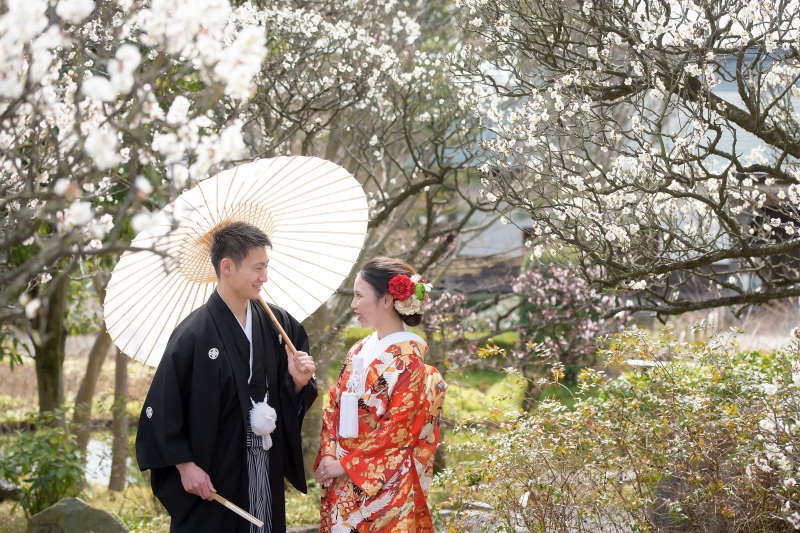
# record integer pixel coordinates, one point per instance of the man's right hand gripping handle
(196, 481)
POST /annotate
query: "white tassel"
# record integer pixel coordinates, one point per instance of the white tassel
(358, 365)
(348, 415)
(262, 421)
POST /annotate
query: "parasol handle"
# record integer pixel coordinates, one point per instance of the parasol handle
(238, 510)
(278, 325)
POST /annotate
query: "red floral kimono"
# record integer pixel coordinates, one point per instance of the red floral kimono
(425, 449)
(381, 491)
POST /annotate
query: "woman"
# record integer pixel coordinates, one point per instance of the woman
(381, 414)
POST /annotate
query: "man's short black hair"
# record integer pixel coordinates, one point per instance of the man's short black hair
(235, 241)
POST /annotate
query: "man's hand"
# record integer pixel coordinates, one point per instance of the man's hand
(301, 368)
(196, 481)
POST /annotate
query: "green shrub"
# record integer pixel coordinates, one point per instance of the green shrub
(352, 335)
(706, 439)
(44, 462)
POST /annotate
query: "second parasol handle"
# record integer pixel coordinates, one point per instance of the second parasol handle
(278, 326)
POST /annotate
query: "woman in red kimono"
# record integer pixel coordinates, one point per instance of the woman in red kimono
(378, 429)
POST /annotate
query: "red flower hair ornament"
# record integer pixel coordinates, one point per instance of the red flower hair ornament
(409, 293)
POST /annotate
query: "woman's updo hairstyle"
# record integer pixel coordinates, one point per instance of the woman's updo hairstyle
(378, 271)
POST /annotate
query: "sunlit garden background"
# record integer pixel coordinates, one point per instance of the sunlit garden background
(604, 196)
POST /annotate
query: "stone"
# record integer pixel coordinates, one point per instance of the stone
(73, 515)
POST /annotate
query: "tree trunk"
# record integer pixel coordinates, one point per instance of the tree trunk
(49, 344)
(312, 423)
(82, 416)
(119, 448)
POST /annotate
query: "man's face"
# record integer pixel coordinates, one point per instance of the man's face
(247, 278)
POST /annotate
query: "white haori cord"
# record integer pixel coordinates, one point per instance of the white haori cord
(263, 419)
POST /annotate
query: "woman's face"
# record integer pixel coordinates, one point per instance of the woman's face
(366, 304)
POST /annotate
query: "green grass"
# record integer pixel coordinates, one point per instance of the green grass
(12, 518)
(483, 395)
(303, 509)
(504, 340)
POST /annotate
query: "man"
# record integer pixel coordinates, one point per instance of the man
(194, 430)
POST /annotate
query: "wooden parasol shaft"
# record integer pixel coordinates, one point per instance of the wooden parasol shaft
(238, 510)
(278, 326)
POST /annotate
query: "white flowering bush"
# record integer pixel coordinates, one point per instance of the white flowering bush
(704, 439)
(656, 140)
(777, 465)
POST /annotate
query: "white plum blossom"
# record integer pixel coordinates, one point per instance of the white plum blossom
(75, 11)
(179, 110)
(121, 68)
(22, 23)
(175, 24)
(61, 186)
(99, 228)
(143, 186)
(242, 61)
(794, 193)
(168, 145)
(99, 88)
(101, 146)
(80, 213)
(141, 221)
(179, 176)
(231, 141)
(503, 25)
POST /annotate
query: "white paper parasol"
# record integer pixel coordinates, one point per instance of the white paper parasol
(314, 212)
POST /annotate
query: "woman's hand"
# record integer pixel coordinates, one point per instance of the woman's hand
(328, 470)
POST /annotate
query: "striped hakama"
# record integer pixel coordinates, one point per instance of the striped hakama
(258, 484)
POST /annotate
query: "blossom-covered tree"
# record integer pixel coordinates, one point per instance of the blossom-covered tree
(94, 136)
(658, 141)
(109, 110)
